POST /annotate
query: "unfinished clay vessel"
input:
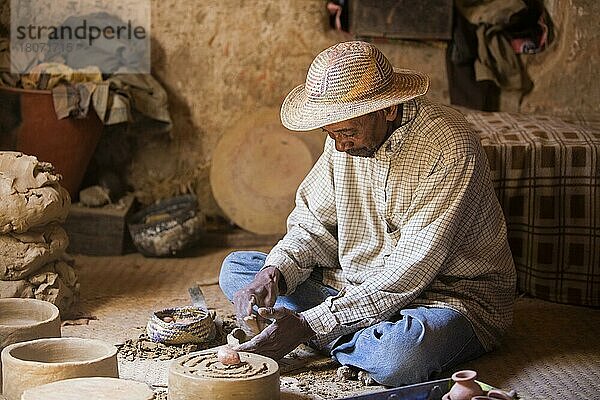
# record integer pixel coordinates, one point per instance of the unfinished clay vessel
(201, 375)
(101, 388)
(29, 364)
(27, 319)
(464, 387)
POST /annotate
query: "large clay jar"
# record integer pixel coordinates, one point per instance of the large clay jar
(464, 387)
(29, 364)
(26, 319)
(68, 143)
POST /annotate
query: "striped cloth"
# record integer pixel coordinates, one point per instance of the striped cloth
(417, 224)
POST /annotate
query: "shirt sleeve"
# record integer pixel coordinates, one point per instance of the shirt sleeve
(441, 210)
(311, 237)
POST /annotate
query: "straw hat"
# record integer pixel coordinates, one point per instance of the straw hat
(348, 80)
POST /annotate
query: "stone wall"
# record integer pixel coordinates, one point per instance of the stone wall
(565, 75)
(221, 60)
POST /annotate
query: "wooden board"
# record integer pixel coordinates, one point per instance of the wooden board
(402, 19)
(256, 169)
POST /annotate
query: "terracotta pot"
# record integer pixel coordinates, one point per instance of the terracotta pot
(102, 388)
(464, 387)
(67, 143)
(26, 319)
(37, 362)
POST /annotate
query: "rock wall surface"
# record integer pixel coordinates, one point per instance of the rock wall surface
(220, 60)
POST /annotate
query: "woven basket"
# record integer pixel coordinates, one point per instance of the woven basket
(199, 326)
(178, 226)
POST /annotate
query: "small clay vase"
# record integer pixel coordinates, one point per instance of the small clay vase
(464, 387)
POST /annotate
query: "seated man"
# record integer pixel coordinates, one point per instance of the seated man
(395, 260)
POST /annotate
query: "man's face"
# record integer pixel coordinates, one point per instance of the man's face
(361, 136)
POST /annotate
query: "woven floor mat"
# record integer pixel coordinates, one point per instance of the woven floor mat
(134, 273)
(552, 352)
(122, 292)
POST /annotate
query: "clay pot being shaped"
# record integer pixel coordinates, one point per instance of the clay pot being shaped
(26, 319)
(464, 387)
(37, 362)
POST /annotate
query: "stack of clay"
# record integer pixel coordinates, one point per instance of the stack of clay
(33, 263)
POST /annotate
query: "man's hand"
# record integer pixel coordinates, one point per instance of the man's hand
(282, 336)
(262, 292)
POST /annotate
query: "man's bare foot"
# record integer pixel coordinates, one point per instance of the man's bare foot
(365, 378)
(350, 373)
(347, 373)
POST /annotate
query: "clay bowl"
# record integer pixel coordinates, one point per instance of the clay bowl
(27, 319)
(102, 389)
(29, 364)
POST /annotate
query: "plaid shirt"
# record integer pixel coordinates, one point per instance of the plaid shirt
(417, 224)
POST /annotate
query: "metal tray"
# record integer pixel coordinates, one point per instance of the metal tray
(432, 390)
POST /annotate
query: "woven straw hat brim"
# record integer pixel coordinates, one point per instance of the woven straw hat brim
(299, 113)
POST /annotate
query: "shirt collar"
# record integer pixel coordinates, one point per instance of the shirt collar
(394, 142)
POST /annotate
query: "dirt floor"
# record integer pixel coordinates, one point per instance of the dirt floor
(119, 294)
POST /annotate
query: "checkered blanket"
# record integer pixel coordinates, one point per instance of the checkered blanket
(546, 172)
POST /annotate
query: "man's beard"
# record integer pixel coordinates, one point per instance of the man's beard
(367, 152)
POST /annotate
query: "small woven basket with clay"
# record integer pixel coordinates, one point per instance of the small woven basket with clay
(185, 325)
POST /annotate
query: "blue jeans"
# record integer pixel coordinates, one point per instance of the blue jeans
(411, 347)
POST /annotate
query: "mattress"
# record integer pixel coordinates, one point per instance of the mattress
(546, 173)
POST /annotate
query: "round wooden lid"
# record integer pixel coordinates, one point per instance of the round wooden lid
(90, 388)
(256, 169)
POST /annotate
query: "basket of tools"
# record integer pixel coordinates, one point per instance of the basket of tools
(187, 324)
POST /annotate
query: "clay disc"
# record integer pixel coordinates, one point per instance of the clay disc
(90, 388)
(200, 375)
(257, 167)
